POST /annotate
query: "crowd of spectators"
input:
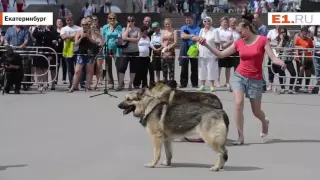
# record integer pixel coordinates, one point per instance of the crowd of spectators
(84, 50)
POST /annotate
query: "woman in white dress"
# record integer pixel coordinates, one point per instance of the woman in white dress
(208, 63)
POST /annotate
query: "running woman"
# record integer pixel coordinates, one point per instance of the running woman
(247, 79)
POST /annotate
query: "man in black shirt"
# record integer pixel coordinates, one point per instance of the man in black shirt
(12, 63)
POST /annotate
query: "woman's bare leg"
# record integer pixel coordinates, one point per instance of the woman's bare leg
(239, 106)
(76, 77)
(228, 70)
(258, 113)
(98, 73)
(89, 75)
(132, 76)
(212, 83)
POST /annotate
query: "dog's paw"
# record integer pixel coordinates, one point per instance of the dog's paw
(215, 168)
(166, 163)
(150, 165)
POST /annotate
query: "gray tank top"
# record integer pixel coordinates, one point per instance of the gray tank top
(132, 46)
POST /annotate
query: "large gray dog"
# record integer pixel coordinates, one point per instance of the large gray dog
(164, 122)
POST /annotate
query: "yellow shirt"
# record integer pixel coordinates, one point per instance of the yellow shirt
(68, 48)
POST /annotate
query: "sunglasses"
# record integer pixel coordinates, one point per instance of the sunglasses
(112, 18)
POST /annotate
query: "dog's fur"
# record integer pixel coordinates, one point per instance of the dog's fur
(163, 122)
(168, 93)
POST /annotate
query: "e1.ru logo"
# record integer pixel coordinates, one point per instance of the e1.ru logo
(293, 19)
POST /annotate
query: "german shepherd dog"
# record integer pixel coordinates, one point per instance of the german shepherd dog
(168, 93)
(165, 122)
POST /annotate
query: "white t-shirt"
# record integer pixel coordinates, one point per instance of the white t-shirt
(316, 41)
(93, 7)
(235, 34)
(212, 37)
(144, 45)
(70, 31)
(272, 36)
(225, 35)
(87, 11)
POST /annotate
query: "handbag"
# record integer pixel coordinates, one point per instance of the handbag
(193, 51)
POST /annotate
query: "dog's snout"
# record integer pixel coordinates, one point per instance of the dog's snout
(121, 106)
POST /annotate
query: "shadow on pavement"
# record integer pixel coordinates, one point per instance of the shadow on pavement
(3, 168)
(274, 141)
(226, 168)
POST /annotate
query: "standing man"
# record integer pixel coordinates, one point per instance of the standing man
(68, 34)
(188, 31)
(261, 28)
(17, 36)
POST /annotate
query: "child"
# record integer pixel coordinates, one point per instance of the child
(186, 6)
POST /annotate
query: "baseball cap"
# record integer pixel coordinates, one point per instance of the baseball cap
(155, 24)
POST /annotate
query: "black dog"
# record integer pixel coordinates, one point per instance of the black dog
(11, 64)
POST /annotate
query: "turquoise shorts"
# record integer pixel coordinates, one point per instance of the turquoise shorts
(252, 88)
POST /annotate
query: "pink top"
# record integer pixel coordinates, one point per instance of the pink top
(251, 58)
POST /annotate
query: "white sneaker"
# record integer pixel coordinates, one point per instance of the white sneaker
(269, 88)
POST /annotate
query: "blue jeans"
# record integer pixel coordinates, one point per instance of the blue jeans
(252, 88)
(316, 63)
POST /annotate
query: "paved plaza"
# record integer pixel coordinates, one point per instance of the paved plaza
(60, 136)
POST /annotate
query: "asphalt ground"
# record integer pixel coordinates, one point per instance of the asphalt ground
(61, 136)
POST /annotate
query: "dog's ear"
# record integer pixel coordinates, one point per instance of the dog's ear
(151, 105)
(172, 84)
(152, 85)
